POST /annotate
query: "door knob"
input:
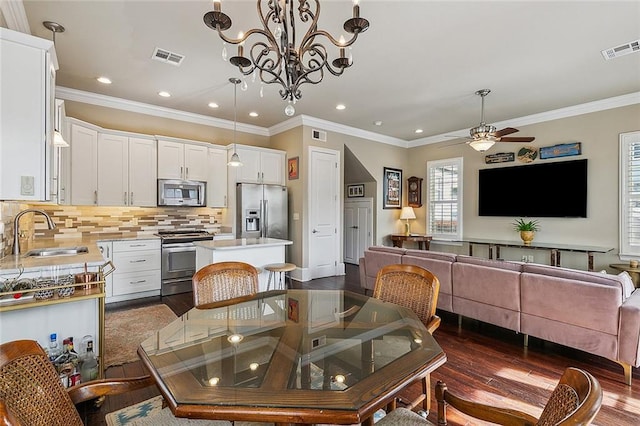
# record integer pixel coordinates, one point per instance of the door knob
(314, 231)
(354, 227)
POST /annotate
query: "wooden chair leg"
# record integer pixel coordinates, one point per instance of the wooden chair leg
(426, 389)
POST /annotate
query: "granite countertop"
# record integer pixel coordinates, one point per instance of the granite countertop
(242, 243)
(12, 264)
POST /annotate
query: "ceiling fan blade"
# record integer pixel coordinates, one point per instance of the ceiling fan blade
(505, 131)
(517, 139)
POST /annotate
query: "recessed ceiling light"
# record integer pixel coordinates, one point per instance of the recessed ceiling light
(378, 123)
(419, 130)
(213, 105)
(253, 114)
(340, 107)
(104, 80)
(164, 94)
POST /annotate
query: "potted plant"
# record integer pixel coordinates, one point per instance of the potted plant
(527, 229)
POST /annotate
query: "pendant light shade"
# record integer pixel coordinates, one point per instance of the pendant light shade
(235, 158)
(58, 140)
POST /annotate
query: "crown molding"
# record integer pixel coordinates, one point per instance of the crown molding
(15, 15)
(141, 108)
(556, 114)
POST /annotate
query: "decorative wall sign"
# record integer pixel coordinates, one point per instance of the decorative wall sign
(527, 154)
(392, 188)
(355, 191)
(561, 150)
(292, 167)
(500, 157)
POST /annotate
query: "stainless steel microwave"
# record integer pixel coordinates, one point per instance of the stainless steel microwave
(173, 192)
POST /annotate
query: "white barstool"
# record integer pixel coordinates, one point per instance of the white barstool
(281, 268)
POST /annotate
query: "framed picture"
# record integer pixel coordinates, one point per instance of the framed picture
(292, 167)
(392, 188)
(355, 191)
(561, 150)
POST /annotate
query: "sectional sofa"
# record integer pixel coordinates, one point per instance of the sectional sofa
(594, 312)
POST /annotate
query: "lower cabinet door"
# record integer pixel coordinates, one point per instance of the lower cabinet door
(135, 282)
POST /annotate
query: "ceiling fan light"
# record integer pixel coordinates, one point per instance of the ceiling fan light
(481, 145)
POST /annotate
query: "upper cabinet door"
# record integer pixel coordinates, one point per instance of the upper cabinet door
(143, 174)
(170, 160)
(217, 182)
(250, 171)
(113, 170)
(84, 159)
(272, 167)
(27, 82)
(195, 162)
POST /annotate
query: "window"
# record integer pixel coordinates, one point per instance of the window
(629, 195)
(444, 195)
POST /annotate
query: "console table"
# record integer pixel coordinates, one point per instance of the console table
(554, 249)
(423, 240)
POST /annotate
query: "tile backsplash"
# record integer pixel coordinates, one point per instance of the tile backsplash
(91, 221)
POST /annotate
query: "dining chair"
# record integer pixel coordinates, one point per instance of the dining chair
(220, 282)
(575, 401)
(31, 392)
(415, 288)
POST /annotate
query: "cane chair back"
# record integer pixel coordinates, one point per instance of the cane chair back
(575, 401)
(31, 388)
(219, 282)
(415, 288)
(412, 287)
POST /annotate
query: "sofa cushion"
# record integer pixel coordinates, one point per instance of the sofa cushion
(439, 264)
(375, 258)
(485, 283)
(586, 300)
(574, 274)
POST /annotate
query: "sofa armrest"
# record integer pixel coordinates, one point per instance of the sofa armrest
(629, 333)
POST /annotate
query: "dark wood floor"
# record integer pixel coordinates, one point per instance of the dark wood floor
(485, 363)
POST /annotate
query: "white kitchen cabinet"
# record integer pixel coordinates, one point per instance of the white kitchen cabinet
(217, 179)
(137, 272)
(84, 161)
(27, 111)
(259, 165)
(181, 160)
(126, 171)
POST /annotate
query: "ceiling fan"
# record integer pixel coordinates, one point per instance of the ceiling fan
(485, 135)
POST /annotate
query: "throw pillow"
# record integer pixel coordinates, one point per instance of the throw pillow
(627, 284)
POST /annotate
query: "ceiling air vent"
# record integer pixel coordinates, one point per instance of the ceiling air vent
(624, 49)
(164, 55)
(319, 135)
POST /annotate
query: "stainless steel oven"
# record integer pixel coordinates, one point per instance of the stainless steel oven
(179, 259)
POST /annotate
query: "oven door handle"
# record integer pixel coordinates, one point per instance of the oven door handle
(177, 247)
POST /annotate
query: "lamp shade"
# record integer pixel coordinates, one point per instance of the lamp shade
(407, 213)
(481, 145)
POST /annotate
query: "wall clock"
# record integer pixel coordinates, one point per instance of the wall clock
(414, 198)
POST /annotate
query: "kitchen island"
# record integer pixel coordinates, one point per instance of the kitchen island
(258, 252)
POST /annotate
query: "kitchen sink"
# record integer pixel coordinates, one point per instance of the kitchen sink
(57, 251)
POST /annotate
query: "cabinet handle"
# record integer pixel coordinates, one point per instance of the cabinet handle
(137, 245)
(107, 252)
(186, 175)
(181, 172)
(125, 198)
(137, 282)
(225, 201)
(138, 261)
(131, 198)
(95, 197)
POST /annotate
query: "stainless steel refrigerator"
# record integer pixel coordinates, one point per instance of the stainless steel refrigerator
(261, 211)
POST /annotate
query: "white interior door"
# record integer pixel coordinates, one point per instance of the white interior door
(358, 228)
(324, 212)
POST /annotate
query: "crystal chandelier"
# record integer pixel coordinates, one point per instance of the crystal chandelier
(275, 57)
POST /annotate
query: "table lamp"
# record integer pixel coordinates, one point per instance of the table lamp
(406, 214)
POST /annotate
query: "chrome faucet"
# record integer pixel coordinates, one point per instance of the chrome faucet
(16, 221)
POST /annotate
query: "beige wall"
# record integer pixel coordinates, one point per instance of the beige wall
(599, 134)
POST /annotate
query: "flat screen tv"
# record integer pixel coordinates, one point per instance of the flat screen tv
(557, 189)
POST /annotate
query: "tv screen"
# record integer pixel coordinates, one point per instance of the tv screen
(557, 189)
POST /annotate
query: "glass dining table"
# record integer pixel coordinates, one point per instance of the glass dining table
(290, 357)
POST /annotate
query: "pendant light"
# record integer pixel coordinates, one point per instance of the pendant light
(54, 27)
(235, 159)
